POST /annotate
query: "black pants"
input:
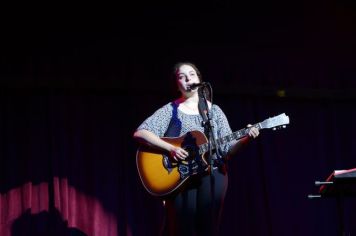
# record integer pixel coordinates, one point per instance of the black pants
(197, 208)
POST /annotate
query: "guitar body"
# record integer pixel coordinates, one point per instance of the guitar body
(159, 174)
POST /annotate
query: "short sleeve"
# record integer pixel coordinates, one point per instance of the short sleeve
(223, 128)
(158, 122)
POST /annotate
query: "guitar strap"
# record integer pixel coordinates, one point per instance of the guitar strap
(175, 125)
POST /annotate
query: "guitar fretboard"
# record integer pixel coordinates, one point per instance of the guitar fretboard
(228, 138)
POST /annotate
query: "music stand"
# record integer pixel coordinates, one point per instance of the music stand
(339, 184)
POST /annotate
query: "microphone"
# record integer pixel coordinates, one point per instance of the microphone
(194, 86)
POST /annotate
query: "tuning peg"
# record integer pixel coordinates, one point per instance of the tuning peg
(274, 128)
(284, 126)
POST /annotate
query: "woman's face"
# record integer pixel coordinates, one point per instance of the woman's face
(186, 76)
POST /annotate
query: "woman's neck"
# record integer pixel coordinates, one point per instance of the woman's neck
(189, 104)
(194, 99)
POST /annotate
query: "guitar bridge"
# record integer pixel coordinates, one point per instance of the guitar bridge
(191, 167)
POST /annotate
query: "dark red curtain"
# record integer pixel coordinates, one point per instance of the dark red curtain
(59, 173)
(68, 165)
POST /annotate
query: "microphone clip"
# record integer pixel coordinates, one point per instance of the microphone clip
(194, 86)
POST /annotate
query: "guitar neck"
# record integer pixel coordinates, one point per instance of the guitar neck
(228, 138)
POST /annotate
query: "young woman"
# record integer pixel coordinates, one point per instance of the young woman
(196, 207)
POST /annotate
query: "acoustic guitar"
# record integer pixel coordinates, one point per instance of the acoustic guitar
(161, 175)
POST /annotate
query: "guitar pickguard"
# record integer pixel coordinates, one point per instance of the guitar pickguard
(192, 165)
(167, 163)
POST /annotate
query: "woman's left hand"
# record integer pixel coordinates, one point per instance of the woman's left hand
(253, 132)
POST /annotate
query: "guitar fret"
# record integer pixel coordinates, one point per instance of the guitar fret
(244, 132)
(237, 135)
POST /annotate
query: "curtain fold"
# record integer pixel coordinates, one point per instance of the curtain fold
(26, 199)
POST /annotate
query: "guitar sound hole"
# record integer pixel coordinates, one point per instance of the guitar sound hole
(192, 152)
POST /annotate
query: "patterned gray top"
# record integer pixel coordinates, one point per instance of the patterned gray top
(159, 122)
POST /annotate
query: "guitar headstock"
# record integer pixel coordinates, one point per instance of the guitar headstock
(275, 122)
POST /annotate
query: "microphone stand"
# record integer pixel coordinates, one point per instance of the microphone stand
(209, 127)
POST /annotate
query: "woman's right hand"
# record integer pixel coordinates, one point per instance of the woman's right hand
(178, 153)
(149, 138)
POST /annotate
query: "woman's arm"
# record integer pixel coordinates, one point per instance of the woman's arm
(239, 144)
(148, 138)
